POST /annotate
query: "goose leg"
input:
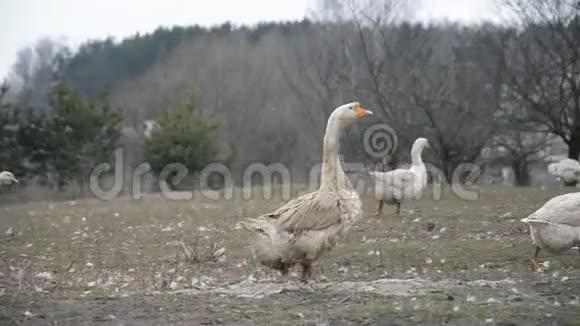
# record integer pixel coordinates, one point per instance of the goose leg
(380, 210)
(533, 262)
(306, 272)
(398, 208)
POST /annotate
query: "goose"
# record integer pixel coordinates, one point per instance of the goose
(394, 186)
(555, 227)
(7, 178)
(568, 170)
(303, 229)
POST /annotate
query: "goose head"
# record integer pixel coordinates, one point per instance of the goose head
(349, 113)
(554, 168)
(7, 178)
(421, 143)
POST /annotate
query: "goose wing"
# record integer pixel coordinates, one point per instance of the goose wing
(397, 183)
(564, 209)
(314, 211)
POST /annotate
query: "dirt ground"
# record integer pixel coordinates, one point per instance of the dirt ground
(155, 262)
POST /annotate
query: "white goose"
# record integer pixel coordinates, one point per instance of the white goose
(306, 227)
(394, 186)
(7, 178)
(568, 170)
(555, 227)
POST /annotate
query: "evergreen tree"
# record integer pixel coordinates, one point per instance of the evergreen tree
(80, 134)
(183, 137)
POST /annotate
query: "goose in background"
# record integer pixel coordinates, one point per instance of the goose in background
(7, 178)
(395, 186)
(310, 225)
(567, 170)
(555, 227)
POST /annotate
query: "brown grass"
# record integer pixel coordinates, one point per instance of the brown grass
(105, 258)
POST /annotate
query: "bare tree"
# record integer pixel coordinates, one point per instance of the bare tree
(375, 40)
(318, 69)
(33, 72)
(542, 63)
(450, 88)
(370, 51)
(519, 150)
(239, 83)
(4, 88)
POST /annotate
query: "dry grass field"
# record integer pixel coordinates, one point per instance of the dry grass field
(155, 261)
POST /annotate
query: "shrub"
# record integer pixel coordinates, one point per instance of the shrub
(182, 137)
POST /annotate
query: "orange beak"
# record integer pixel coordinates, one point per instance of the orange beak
(360, 112)
(15, 181)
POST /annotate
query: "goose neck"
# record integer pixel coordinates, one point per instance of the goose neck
(416, 152)
(332, 175)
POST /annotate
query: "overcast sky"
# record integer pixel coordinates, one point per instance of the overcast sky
(25, 21)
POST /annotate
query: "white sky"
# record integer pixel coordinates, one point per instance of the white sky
(26, 21)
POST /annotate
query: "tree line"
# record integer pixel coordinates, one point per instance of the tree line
(62, 146)
(487, 94)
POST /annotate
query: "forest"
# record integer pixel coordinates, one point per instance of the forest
(488, 94)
